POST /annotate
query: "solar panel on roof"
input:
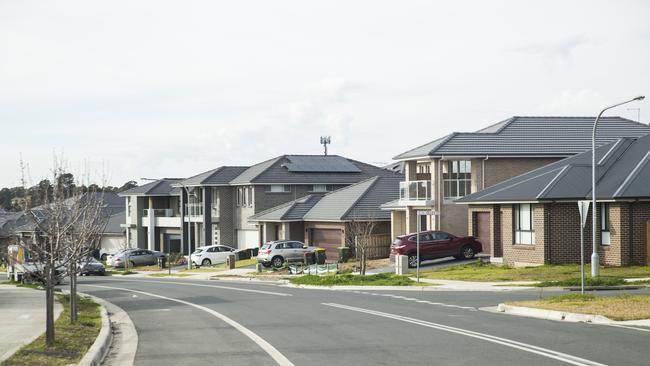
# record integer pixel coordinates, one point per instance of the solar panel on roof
(320, 164)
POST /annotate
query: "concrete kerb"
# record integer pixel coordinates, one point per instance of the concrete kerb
(562, 315)
(99, 349)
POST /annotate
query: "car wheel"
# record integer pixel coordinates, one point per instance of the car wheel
(277, 261)
(206, 262)
(103, 257)
(467, 252)
(413, 260)
(132, 264)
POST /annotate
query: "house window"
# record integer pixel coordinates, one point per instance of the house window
(240, 198)
(423, 168)
(457, 178)
(215, 202)
(524, 224)
(250, 196)
(278, 188)
(604, 224)
(320, 188)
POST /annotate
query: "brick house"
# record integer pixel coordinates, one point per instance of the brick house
(331, 220)
(534, 219)
(456, 165)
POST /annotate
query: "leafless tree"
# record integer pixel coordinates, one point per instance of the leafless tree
(359, 236)
(64, 230)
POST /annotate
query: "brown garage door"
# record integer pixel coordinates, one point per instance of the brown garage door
(329, 239)
(483, 231)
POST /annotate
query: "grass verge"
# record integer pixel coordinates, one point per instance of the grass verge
(382, 279)
(622, 307)
(169, 275)
(72, 340)
(490, 273)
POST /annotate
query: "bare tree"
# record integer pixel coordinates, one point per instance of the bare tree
(359, 236)
(65, 229)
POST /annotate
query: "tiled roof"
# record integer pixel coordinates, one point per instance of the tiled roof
(622, 172)
(161, 187)
(220, 176)
(521, 136)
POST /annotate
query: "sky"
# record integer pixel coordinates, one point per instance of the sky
(119, 90)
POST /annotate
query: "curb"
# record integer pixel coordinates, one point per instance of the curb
(553, 315)
(99, 349)
(378, 288)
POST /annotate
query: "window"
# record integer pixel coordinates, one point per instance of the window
(239, 196)
(441, 236)
(524, 224)
(423, 168)
(244, 195)
(278, 188)
(250, 196)
(604, 224)
(319, 188)
(215, 202)
(457, 178)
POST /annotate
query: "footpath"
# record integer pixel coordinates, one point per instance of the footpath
(22, 315)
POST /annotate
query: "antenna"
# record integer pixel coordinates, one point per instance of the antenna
(325, 140)
(638, 113)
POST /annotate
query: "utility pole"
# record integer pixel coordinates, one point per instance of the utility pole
(325, 140)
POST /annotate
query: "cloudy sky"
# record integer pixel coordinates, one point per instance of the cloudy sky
(173, 88)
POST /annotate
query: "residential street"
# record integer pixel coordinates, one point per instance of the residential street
(234, 323)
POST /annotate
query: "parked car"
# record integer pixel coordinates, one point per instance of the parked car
(136, 257)
(111, 257)
(275, 253)
(435, 244)
(91, 266)
(211, 254)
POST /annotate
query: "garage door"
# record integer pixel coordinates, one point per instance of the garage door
(329, 239)
(248, 239)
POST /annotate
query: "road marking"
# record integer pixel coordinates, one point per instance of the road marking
(563, 357)
(214, 286)
(266, 346)
(470, 308)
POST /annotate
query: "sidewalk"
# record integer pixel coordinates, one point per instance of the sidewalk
(478, 286)
(22, 315)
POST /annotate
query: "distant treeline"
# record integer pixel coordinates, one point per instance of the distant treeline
(11, 198)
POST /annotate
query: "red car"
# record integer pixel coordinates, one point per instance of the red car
(435, 244)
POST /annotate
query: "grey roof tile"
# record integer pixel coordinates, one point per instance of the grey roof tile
(161, 187)
(622, 172)
(551, 136)
(219, 176)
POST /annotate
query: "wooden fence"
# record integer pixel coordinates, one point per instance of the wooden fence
(379, 246)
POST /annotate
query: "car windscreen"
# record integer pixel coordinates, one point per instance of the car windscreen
(197, 251)
(266, 246)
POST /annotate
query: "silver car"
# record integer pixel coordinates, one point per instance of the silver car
(137, 257)
(275, 253)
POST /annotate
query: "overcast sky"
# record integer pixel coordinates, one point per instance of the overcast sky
(174, 88)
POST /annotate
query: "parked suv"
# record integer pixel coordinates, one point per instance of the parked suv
(277, 252)
(136, 257)
(435, 244)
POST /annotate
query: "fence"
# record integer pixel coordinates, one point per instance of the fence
(379, 246)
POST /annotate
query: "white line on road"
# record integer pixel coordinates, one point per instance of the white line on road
(266, 346)
(214, 286)
(574, 360)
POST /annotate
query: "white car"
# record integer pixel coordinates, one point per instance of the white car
(211, 254)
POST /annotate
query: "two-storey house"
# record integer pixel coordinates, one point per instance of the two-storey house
(453, 166)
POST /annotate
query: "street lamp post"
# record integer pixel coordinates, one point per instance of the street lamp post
(595, 258)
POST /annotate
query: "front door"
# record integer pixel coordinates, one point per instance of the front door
(483, 231)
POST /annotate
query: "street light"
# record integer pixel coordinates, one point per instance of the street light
(189, 222)
(595, 258)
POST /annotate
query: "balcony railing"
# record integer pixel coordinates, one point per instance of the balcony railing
(416, 190)
(194, 209)
(159, 212)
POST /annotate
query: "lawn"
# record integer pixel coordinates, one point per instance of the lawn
(169, 275)
(622, 307)
(71, 342)
(382, 279)
(222, 266)
(491, 273)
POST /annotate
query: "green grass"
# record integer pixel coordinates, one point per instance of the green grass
(241, 263)
(169, 275)
(589, 281)
(72, 341)
(490, 273)
(382, 279)
(621, 307)
(222, 266)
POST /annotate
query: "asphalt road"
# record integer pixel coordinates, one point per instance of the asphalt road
(232, 323)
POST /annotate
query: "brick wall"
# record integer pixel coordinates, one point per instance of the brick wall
(515, 254)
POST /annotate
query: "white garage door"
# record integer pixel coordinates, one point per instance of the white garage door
(247, 239)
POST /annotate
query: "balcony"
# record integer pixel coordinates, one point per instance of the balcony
(194, 209)
(415, 193)
(160, 217)
(159, 212)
